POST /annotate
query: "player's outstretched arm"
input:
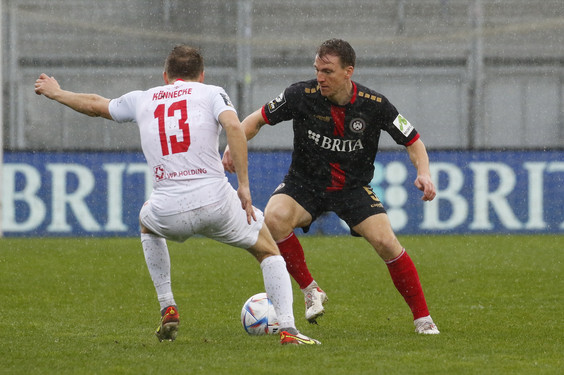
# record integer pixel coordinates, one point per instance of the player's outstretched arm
(89, 104)
(418, 156)
(251, 125)
(238, 145)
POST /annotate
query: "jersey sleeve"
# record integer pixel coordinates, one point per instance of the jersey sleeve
(280, 108)
(397, 126)
(221, 102)
(123, 109)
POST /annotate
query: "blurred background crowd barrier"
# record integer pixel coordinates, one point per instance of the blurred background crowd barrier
(468, 74)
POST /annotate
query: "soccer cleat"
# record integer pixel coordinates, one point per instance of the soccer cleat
(425, 326)
(314, 300)
(293, 337)
(169, 324)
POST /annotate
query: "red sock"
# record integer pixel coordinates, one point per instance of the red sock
(405, 278)
(293, 253)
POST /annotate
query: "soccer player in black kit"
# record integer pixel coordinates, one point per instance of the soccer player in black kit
(337, 125)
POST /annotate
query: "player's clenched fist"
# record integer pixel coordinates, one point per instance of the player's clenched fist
(45, 85)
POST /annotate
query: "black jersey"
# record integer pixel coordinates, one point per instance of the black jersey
(335, 146)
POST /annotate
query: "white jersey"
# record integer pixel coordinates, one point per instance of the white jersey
(179, 131)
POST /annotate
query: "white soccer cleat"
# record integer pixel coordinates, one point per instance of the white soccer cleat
(314, 300)
(425, 326)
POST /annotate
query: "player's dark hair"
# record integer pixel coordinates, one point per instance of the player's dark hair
(184, 62)
(339, 48)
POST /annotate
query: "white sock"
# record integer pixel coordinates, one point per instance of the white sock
(155, 250)
(309, 287)
(278, 287)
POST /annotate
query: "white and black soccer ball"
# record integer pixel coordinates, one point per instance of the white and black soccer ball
(258, 316)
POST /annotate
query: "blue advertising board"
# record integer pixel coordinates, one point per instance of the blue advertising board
(100, 193)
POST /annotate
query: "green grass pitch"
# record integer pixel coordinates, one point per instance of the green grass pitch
(88, 306)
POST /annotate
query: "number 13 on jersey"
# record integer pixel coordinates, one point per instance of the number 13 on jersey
(161, 113)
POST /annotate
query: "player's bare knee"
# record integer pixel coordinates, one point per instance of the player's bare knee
(264, 247)
(278, 223)
(276, 215)
(386, 247)
(262, 252)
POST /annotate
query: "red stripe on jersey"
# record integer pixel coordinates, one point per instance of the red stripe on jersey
(338, 114)
(413, 140)
(353, 99)
(337, 177)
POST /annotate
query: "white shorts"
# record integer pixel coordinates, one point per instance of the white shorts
(224, 221)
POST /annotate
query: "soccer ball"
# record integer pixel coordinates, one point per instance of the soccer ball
(258, 316)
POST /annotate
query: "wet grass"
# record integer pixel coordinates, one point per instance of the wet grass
(88, 306)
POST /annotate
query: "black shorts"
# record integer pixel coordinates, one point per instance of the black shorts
(351, 205)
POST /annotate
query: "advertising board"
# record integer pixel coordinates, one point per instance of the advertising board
(100, 193)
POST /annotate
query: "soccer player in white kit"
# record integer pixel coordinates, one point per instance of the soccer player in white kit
(179, 125)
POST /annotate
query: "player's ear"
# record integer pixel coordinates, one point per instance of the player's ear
(202, 76)
(349, 70)
(165, 78)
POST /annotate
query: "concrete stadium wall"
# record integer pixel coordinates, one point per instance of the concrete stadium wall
(415, 53)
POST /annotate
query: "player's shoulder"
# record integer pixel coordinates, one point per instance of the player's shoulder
(130, 99)
(366, 94)
(308, 87)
